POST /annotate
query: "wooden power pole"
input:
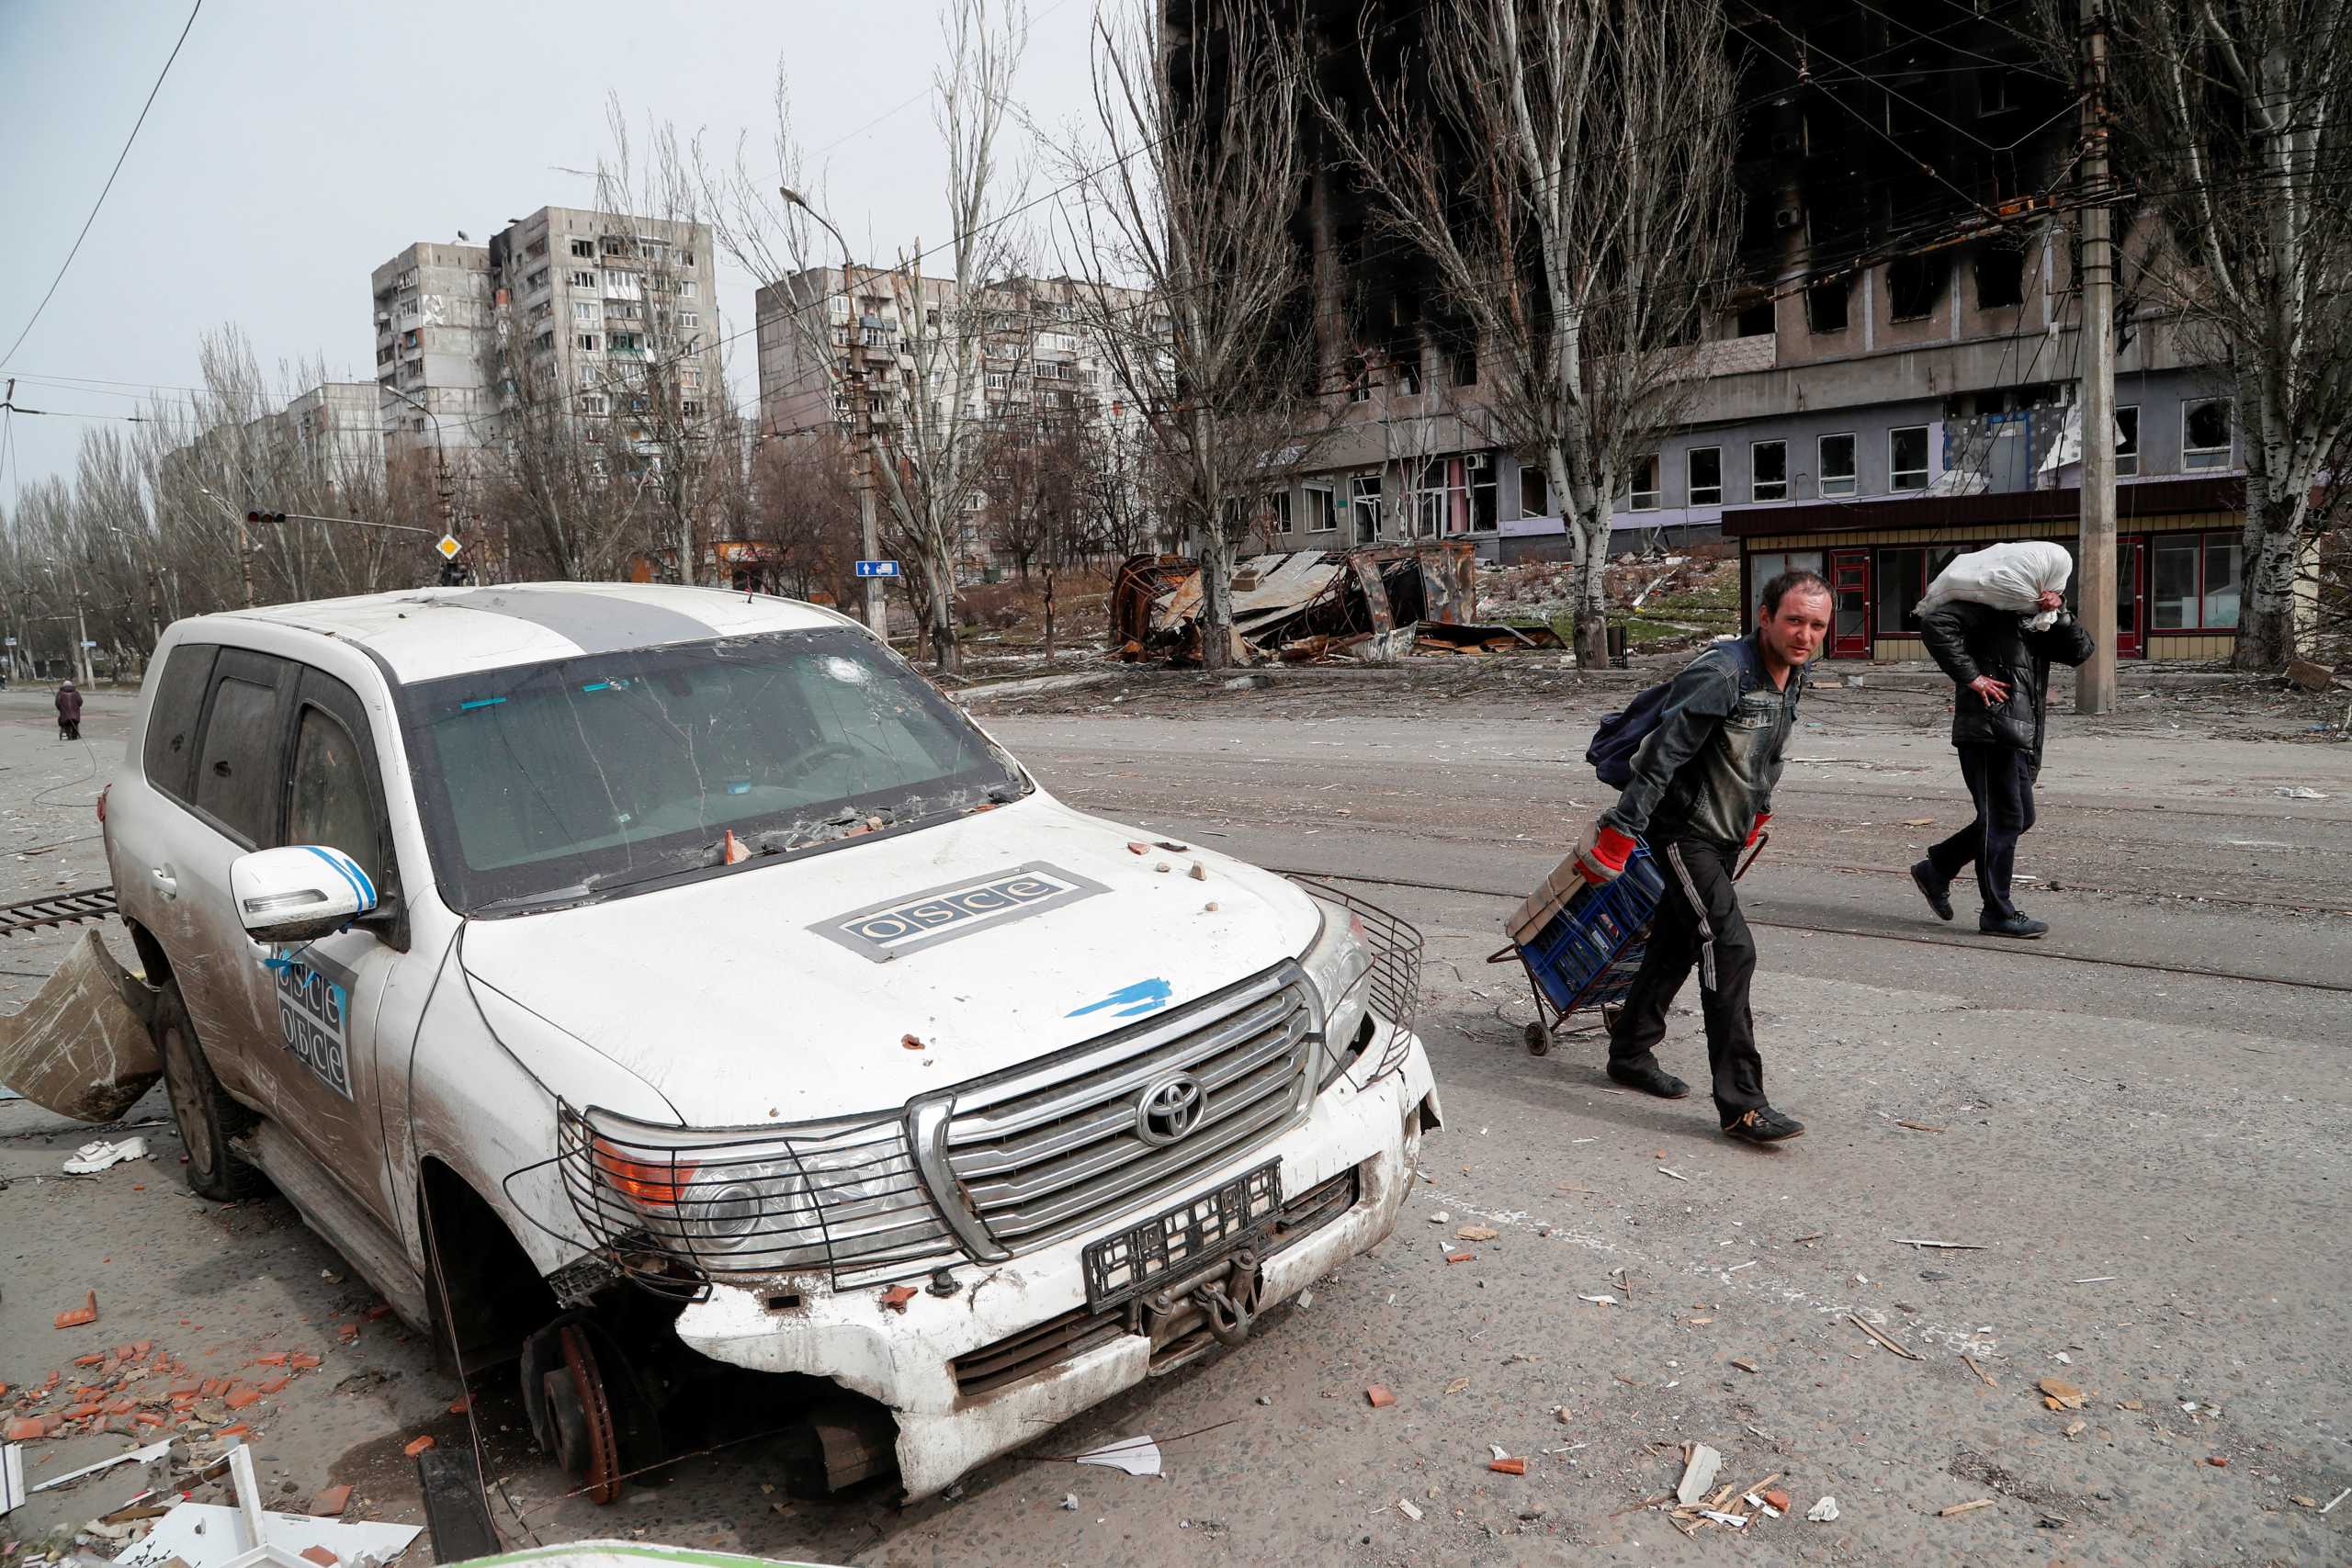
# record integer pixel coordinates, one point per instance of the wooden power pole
(2094, 680)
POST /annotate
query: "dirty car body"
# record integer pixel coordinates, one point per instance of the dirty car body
(698, 988)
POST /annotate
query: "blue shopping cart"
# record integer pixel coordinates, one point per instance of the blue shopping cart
(1588, 954)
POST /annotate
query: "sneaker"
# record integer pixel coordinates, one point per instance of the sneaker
(2009, 925)
(1649, 1078)
(1765, 1125)
(1933, 888)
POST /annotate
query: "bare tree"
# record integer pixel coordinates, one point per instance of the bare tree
(802, 507)
(1564, 167)
(1187, 186)
(2232, 118)
(945, 342)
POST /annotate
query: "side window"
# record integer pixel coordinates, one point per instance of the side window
(173, 710)
(329, 801)
(236, 770)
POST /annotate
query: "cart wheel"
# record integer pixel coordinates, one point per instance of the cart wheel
(1539, 1039)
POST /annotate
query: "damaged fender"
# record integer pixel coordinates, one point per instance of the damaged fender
(82, 1047)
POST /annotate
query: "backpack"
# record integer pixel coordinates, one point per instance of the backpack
(1621, 734)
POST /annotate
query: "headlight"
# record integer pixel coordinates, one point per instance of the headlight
(813, 1196)
(1339, 965)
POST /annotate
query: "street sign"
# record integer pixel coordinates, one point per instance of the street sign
(877, 569)
(449, 546)
(9, 642)
(87, 643)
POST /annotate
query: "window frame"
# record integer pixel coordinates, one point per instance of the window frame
(1359, 499)
(2127, 464)
(1691, 485)
(1755, 485)
(1894, 476)
(1543, 478)
(2220, 454)
(2202, 541)
(339, 705)
(1635, 493)
(1323, 518)
(1852, 479)
(251, 667)
(178, 792)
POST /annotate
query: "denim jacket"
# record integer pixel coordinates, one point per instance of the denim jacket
(1707, 770)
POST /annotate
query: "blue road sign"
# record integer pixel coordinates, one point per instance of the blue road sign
(877, 569)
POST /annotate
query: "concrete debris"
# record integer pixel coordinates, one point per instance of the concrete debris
(1698, 1474)
(2311, 677)
(1405, 1506)
(1508, 1466)
(1313, 606)
(80, 1316)
(1477, 1233)
(1378, 1397)
(1070, 1502)
(1441, 1217)
(1824, 1512)
(2300, 792)
(2059, 1394)
(1959, 1508)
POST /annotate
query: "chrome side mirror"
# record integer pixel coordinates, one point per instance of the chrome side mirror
(299, 893)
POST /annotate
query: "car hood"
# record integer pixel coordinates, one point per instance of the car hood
(851, 980)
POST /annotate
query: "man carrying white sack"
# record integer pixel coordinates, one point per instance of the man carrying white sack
(1996, 621)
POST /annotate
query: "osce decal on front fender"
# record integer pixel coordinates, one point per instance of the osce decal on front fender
(882, 932)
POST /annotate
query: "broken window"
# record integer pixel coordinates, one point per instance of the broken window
(588, 342)
(2000, 278)
(1836, 465)
(1906, 458)
(234, 781)
(1768, 470)
(2205, 434)
(1535, 491)
(1465, 367)
(1758, 320)
(1322, 509)
(1432, 510)
(1825, 306)
(583, 248)
(1644, 494)
(1363, 501)
(2126, 441)
(1484, 517)
(1284, 520)
(1358, 383)
(1914, 284)
(1703, 470)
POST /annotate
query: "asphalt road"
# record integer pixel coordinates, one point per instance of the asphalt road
(2136, 1125)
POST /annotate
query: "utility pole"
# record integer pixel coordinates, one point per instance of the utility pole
(2094, 680)
(861, 427)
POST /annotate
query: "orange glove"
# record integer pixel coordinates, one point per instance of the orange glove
(1601, 858)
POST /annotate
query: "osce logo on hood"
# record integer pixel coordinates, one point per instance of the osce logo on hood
(882, 931)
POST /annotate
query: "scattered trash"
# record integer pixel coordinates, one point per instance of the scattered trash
(1477, 1233)
(12, 1477)
(2058, 1395)
(911, 1043)
(1919, 821)
(77, 1317)
(1070, 1502)
(1678, 1176)
(1508, 1466)
(1919, 1126)
(1600, 1301)
(1265, 1399)
(1743, 1363)
(205, 1535)
(1379, 1397)
(2077, 1429)
(1904, 1351)
(147, 1455)
(1982, 1375)
(2338, 1498)
(1441, 1217)
(1304, 1300)
(1457, 1385)
(1462, 1258)
(1738, 1521)
(1946, 1245)
(1959, 1508)
(2099, 1280)
(2300, 792)
(1135, 848)
(2217, 1462)
(1777, 1501)
(418, 1447)
(1405, 1506)
(92, 1158)
(1698, 1473)
(1824, 1512)
(1136, 1456)
(1200, 872)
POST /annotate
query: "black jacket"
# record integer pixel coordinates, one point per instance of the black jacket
(1707, 770)
(1970, 640)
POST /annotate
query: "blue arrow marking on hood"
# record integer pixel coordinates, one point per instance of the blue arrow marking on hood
(1143, 997)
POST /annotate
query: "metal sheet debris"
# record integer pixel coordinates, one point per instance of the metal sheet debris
(80, 1047)
(1312, 606)
(1136, 1456)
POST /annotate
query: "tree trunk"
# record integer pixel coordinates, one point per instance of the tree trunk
(1049, 614)
(2266, 587)
(1216, 597)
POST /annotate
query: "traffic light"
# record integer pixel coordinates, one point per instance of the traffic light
(265, 518)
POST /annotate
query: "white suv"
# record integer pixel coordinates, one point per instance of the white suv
(646, 981)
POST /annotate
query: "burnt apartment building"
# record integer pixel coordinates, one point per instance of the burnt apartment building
(1892, 378)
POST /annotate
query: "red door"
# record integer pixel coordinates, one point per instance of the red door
(2131, 598)
(1849, 601)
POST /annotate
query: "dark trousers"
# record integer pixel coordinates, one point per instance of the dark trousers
(1699, 922)
(2000, 780)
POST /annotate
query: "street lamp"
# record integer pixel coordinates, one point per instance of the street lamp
(440, 455)
(861, 424)
(81, 625)
(244, 549)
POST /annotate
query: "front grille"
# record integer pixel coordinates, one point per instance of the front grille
(1393, 983)
(1017, 1356)
(1057, 1147)
(1311, 1210)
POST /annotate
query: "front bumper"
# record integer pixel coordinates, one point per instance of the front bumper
(906, 1359)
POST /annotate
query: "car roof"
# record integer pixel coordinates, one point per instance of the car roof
(424, 634)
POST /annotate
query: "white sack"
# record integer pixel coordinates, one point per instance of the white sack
(2006, 577)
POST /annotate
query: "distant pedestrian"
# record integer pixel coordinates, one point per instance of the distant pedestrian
(2000, 660)
(1701, 792)
(69, 713)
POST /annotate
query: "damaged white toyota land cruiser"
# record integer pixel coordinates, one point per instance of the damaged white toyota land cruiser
(672, 990)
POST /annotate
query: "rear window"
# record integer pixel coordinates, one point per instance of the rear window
(236, 777)
(175, 702)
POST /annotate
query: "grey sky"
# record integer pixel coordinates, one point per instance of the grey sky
(295, 147)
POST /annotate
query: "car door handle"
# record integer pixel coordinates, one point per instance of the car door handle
(166, 883)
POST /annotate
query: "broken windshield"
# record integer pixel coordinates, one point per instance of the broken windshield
(563, 782)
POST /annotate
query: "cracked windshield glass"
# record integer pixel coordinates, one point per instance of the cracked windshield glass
(569, 781)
